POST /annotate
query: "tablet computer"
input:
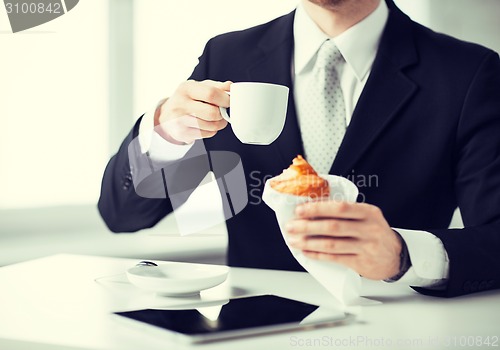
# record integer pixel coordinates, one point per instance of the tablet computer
(237, 318)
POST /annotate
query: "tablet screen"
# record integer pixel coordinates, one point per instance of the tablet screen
(236, 315)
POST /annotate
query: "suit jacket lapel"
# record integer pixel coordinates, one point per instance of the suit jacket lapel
(275, 67)
(385, 93)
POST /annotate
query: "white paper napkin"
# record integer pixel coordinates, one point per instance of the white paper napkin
(342, 282)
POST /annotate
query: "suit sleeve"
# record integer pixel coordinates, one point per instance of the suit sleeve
(474, 251)
(137, 194)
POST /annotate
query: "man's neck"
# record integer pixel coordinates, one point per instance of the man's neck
(335, 19)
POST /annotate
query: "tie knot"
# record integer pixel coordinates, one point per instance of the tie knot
(329, 56)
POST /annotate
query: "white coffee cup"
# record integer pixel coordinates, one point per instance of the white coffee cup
(258, 111)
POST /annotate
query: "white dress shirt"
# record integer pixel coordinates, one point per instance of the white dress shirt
(358, 46)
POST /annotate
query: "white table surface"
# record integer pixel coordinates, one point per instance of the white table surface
(56, 303)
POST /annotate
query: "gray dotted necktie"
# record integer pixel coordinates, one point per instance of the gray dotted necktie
(323, 123)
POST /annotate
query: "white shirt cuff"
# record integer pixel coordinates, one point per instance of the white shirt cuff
(430, 263)
(158, 149)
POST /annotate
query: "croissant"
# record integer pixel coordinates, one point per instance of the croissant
(300, 179)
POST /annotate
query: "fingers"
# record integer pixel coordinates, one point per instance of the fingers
(327, 245)
(208, 91)
(353, 234)
(192, 112)
(332, 227)
(197, 123)
(187, 129)
(335, 209)
(202, 110)
(200, 99)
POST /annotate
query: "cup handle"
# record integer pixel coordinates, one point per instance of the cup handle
(223, 111)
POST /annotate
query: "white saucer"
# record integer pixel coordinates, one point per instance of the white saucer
(177, 279)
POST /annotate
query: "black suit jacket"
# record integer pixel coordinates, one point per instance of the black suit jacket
(426, 131)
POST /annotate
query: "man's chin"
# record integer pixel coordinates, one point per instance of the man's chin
(329, 4)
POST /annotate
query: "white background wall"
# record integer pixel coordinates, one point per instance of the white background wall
(53, 96)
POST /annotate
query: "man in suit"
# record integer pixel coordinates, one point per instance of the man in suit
(421, 114)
